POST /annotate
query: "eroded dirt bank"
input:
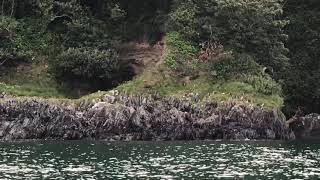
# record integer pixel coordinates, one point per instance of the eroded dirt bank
(141, 56)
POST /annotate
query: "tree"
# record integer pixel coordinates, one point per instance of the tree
(302, 86)
(254, 27)
(8, 46)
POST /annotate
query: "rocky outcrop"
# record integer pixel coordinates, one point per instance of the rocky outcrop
(125, 117)
(306, 127)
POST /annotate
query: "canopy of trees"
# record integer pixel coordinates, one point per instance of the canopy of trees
(302, 86)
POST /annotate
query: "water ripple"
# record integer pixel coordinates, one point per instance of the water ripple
(174, 160)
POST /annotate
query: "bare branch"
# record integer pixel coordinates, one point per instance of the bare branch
(4, 61)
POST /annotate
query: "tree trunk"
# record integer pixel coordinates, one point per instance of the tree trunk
(12, 7)
(2, 9)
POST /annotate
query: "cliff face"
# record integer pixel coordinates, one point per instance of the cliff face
(124, 117)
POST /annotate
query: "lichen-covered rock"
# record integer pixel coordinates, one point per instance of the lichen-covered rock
(123, 117)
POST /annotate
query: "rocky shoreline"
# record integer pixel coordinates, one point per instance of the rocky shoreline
(126, 118)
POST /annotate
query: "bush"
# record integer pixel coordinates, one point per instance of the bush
(86, 34)
(7, 36)
(180, 53)
(34, 38)
(77, 27)
(183, 19)
(11, 47)
(264, 85)
(86, 64)
(231, 66)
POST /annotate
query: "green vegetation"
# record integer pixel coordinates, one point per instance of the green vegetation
(86, 64)
(222, 77)
(165, 84)
(30, 80)
(180, 53)
(253, 27)
(259, 52)
(12, 46)
(301, 84)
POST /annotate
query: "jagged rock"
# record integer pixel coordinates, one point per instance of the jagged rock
(307, 126)
(3, 95)
(123, 117)
(109, 99)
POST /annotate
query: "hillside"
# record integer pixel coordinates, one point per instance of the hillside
(78, 50)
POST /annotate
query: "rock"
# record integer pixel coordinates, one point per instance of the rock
(123, 117)
(99, 106)
(72, 135)
(109, 99)
(2, 95)
(307, 126)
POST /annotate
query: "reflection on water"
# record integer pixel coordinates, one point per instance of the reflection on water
(159, 160)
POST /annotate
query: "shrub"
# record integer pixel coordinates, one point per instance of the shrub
(184, 18)
(11, 47)
(77, 27)
(264, 85)
(231, 66)
(86, 64)
(180, 53)
(85, 34)
(33, 38)
(7, 36)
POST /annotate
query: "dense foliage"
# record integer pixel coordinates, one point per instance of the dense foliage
(87, 64)
(180, 53)
(263, 43)
(302, 84)
(7, 39)
(12, 45)
(253, 27)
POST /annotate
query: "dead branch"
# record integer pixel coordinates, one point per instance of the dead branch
(4, 61)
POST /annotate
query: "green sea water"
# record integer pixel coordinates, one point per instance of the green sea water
(159, 160)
